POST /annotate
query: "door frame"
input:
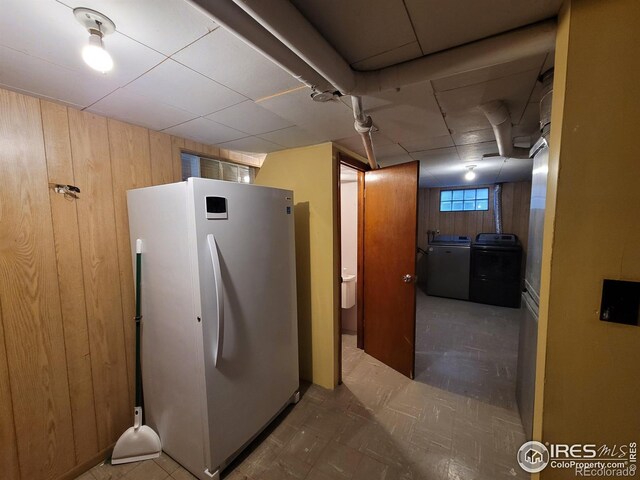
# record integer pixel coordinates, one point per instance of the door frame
(360, 167)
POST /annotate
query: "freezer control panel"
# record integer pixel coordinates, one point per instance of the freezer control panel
(216, 208)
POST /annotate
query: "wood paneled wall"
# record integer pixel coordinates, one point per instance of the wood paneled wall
(515, 214)
(66, 280)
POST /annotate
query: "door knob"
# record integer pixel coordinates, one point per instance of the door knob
(407, 278)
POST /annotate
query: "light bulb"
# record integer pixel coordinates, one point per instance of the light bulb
(96, 56)
(470, 175)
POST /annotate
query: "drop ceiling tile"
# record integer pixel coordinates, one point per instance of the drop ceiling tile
(460, 105)
(478, 136)
(359, 29)
(380, 139)
(407, 114)
(298, 107)
(381, 144)
(34, 76)
(205, 131)
(391, 57)
(427, 143)
(140, 110)
(353, 143)
(249, 117)
(324, 120)
(329, 130)
(391, 150)
(251, 144)
(228, 60)
(57, 38)
(164, 25)
(437, 157)
(177, 85)
(474, 152)
(489, 73)
(292, 137)
(440, 25)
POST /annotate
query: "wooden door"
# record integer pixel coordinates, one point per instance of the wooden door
(390, 230)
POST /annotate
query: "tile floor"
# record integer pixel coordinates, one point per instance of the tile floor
(468, 348)
(378, 425)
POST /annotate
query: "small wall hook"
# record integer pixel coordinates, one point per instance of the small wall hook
(69, 191)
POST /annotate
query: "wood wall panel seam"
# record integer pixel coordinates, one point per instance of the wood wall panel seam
(13, 442)
(64, 333)
(128, 359)
(82, 272)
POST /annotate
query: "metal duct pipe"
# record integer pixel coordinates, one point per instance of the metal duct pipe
(287, 24)
(367, 141)
(363, 125)
(523, 42)
(500, 120)
(497, 206)
(234, 19)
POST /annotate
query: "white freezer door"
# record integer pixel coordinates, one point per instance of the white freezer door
(246, 260)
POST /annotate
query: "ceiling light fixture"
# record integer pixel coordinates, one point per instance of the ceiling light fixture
(470, 175)
(98, 25)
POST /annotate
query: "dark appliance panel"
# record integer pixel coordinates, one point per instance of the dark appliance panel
(496, 270)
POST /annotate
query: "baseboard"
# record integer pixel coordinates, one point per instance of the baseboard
(87, 465)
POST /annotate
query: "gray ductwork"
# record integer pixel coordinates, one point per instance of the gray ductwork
(278, 30)
(363, 125)
(287, 24)
(497, 206)
(500, 120)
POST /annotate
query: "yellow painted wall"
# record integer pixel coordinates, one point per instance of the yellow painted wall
(591, 376)
(312, 174)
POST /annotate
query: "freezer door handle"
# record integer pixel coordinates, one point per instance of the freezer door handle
(217, 277)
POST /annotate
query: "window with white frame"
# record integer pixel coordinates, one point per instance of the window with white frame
(195, 166)
(464, 200)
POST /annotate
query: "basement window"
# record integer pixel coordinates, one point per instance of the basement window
(466, 200)
(195, 166)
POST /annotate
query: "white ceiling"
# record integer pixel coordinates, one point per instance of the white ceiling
(178, 71)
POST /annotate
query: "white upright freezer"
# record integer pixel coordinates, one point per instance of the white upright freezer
(219, 326)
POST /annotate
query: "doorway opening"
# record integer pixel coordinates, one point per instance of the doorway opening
(351, 230)
(351, 188)
(349, 249)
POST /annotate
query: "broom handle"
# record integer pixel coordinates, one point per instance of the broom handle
(138, 318)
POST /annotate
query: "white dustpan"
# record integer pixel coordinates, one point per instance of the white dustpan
(138, 442)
